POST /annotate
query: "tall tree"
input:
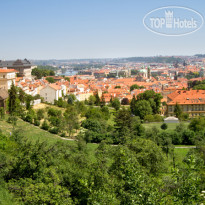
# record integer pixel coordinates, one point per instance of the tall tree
(132, 104)
(29, 98)
(97, 101)
(22, 95)
(12, 103)
(178, 111)
(116, 103)
(102, 101)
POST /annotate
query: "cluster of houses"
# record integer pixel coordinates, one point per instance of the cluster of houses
(170, 84)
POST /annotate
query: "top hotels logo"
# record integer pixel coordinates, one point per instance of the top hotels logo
(173, 21)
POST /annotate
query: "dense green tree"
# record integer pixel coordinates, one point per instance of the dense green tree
(22, 95)
(102, 101)
(71, 99)
(126, 125)
(153, 98)
(164, 126)
(50, 79)
(45, 125)
(116, 103)
(43, 71)
(13, 98)
(91, 100)
(28, 99)
(135, 86)
(197, 124)
(71, 122)
(125, 101)
(132, 103)
(92, 125)
(40, 114)
(2, 113)
(97, 99)
(142, 108)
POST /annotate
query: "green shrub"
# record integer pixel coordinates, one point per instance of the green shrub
(29, 118)
(54, 130)
(164, 126)
(36, 122)
(45, 125)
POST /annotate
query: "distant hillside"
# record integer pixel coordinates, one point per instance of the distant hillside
(159, 59)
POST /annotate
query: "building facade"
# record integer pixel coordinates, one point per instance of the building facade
(7, 76)
(24, 67)
(191, 102)
(52, 92)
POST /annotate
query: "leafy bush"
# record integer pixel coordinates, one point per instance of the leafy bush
(29, 118)
(45, 125)
(164, 126)
(54, 130)
(36, 122)
(40, 114)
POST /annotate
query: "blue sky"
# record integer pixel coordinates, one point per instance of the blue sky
(73, 29)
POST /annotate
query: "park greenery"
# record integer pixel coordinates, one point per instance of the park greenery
(197, 85)
(130, 165)
(43, 71)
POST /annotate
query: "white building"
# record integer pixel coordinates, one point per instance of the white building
(53, 92)
(7, 76)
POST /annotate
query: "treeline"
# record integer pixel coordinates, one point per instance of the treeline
(200, 55)
(83, 66)
(197, 85)
(157, 59)
(43, 71)
(191, 75)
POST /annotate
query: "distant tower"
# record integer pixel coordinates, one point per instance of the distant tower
(117, 74)
(176, 75)
(149, 72)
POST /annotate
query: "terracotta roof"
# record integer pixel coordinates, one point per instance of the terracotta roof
(8, 71)
(54, 86)
(187, 97)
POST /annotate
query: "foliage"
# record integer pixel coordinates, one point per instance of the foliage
(71, 99)
(125, 101)
(12, 101)
(153, 118)
(177, 111)
(40, 114)
(135, 86)
(197, 124)
(45, 125)
(142, 108)
(91, 100)
(2, 113)
(116, 103)
(153, 98)
(43, 71)
(164, 126)
(50, 79)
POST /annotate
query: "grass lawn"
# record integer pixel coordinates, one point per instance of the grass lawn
(44, 105)
(34, 133)
(30, 131)
(180, 154)
(171, 126)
